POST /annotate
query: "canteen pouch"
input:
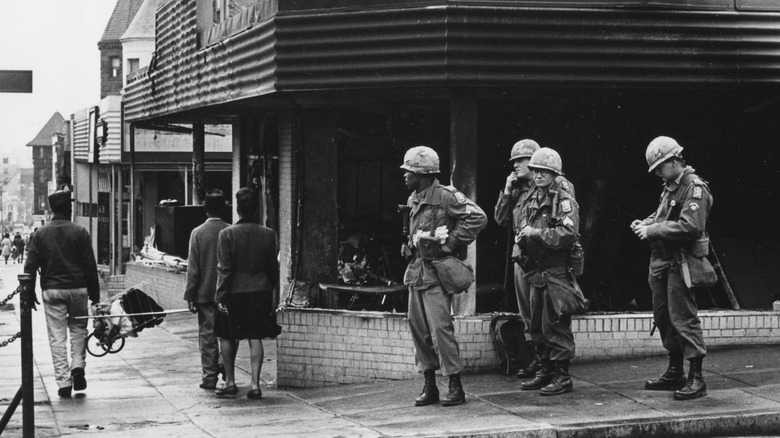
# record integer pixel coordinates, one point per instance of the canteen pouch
(455, 275)
(576, 259)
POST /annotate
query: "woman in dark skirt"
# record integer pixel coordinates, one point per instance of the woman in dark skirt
(247, 273)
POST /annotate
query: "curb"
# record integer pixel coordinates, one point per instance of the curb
(724, 424)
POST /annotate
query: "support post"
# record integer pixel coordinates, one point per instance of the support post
(198, 163)
(26, 300)
(463, 174)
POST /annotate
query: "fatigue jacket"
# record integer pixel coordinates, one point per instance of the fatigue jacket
(554, 218)
(62, 250)
(681, 216)
(436, 206)
(510, 207)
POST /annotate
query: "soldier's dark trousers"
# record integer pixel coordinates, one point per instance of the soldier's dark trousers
(523, 293)
(556, 335)
(675, 310)
(430, 322)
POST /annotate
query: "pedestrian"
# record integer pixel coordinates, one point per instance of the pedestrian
(549, 226)
(201, 286)
(6, 244)
(455, 221)
(247, 275)
(509, 213)
(19, 244)
(676, 231)
(62, 251)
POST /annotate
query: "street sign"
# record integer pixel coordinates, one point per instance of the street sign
(15, 81)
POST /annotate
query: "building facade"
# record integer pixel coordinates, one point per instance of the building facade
(324, 98)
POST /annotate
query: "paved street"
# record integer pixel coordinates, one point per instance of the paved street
(150, 389)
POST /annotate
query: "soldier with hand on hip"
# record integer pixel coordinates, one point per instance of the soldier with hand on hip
(442, 223)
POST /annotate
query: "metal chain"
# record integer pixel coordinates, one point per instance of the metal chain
(8, 298)
(11, 339)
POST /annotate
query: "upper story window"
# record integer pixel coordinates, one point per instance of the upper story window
(220, 19)
(132, 65)
(116, 66)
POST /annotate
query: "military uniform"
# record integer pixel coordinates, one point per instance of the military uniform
(553, 215)
(429, 306)
(679, 220)
(509, 210)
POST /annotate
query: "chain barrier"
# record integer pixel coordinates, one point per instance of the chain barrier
(18, 334)
(8, 298)
(11, 339)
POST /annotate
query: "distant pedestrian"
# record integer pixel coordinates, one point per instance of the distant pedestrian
(19, 244)
(201, 286)
(6, 244)
(443, 222)
(248, 274)
(62, 251)
(679, 244)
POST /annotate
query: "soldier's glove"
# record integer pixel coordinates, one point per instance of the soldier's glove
(193, 306)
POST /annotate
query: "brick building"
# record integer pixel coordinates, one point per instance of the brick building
(325, 96)
(43, 147)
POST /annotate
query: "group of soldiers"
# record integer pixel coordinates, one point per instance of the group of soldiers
(539, 203)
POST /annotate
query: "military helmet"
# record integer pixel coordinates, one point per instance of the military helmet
(421, 159)
(547, 159)
(661, 149)
(523, 149)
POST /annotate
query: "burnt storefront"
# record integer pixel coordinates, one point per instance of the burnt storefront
(324, 97)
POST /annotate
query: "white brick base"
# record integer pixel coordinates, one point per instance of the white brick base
(330, 347)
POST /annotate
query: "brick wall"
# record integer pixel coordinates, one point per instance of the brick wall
(331, 347)
(165, 286)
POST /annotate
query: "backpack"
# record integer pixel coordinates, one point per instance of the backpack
(513, 351)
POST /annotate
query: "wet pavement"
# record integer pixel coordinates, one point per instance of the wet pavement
(150, 389)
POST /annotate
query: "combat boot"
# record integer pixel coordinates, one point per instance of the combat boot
(430, 392)
(455, 396)
(561, 381)
(543, 377)
(536, 364)
(695, 387)
(674, 377)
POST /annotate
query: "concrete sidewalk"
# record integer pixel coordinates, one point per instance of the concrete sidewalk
(150, 389)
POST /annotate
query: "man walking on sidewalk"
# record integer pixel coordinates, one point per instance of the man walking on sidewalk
(63, 252)
(675, 232)
(201, 286)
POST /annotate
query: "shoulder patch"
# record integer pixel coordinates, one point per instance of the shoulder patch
(461, 197)
(693, 206)
(566, 206)
(697, 191)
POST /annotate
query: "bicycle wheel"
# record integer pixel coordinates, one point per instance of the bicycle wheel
(95, 347)
(117, 345)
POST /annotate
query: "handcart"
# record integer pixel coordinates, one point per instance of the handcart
(123, 316)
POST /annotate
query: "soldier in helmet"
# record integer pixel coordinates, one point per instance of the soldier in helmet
(443, 222)
(677, 224)
(509, 212)
(549, 224)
